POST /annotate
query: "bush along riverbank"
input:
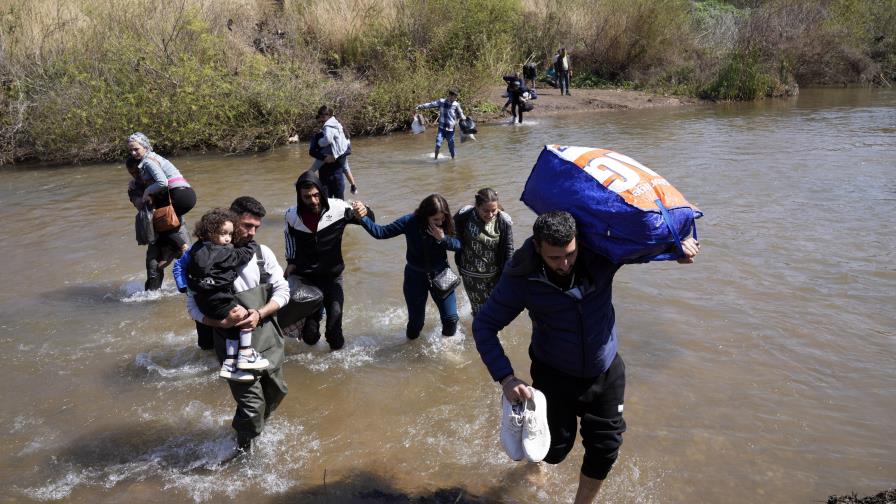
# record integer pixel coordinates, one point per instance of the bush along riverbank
(236, 75)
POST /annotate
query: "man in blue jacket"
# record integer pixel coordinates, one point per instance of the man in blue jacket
(568, 293)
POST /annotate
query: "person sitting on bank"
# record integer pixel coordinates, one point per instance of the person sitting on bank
(450, 112)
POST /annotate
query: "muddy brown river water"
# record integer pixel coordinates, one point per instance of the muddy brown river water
(765, 372)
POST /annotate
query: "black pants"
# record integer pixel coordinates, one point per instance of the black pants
(183, 199)
(598, 401)
(516, 108)
(331, 287)
(204, 336)
(158, 255)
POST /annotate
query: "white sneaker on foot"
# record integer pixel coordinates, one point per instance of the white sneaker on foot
(231, 372)
(512, 428)
(536, 435)
(253, 360)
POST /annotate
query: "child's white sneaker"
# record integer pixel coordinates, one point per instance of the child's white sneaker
(252, 360)
(512, 428)
(536, 435)
(231, 372)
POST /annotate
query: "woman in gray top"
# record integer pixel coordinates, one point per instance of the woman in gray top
(486, 235)
(163, 182)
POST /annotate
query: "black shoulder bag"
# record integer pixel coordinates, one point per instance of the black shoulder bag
(441, 283)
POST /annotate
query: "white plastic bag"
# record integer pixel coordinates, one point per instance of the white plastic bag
(417, 126)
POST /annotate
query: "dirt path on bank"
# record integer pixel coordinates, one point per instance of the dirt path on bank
(550, 101)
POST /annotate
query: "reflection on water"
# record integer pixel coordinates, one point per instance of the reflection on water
(764, 371)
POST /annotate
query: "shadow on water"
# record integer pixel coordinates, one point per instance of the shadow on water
(368, 488)
(85, 294)
(135, 453)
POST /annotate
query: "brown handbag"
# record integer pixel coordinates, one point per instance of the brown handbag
(164, 218)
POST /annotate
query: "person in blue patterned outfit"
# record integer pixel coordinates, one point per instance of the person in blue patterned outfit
(429, 234)
(450, 112)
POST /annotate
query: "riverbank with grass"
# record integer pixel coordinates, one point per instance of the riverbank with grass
(245, 75)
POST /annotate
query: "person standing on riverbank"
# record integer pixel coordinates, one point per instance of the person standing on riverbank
(450, 112)
(563, 69)
(164, 184)
(485, 232)
(567, 290)
(261, 291)
(330, 148)
(313, 235)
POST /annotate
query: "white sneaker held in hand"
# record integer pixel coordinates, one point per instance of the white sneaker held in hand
(536, 435)
(512, 428)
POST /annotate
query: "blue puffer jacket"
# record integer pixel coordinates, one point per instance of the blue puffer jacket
(576, 337)
(417, 238)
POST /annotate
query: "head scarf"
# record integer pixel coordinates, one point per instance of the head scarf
(141, 139)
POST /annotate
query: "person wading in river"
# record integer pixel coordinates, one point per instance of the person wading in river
(261, 291)
(313, 236)
(568, 292)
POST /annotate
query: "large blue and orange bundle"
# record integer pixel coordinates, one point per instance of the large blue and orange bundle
(624, 210)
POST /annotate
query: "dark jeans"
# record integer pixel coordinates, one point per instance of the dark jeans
(333, 299)
(416, 290)
(563, 81)
(598, 401)
(516, 108)
(158, 255)
(332, 176)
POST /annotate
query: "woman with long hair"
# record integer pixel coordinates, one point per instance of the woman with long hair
(429, 234)
(485, 232)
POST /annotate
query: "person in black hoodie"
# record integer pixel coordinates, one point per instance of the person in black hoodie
(313, 235)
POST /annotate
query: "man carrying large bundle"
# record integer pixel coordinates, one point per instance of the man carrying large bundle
(567, 290)
(598, 210)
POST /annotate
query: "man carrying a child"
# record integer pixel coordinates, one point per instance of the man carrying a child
(261, 291)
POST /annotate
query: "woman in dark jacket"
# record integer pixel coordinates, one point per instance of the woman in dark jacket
(486, 236)
(429, 234)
